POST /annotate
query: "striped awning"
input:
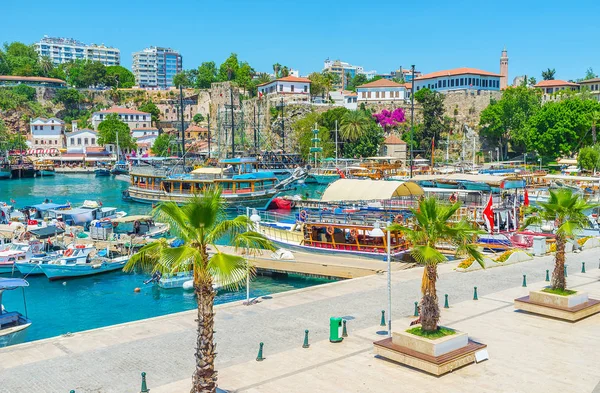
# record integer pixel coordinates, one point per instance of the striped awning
(39, 151)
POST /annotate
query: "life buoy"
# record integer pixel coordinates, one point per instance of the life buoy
(453, 198)
(303, 215)
(115, 224)
(353, 232)
(105, 219)
(68, 252)
(330, 230)
(399, 219)
(80, 246)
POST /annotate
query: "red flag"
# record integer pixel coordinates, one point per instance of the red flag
(488, 214)
(526, 199)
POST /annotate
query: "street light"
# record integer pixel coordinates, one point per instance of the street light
(498, 154)
(540, 161)
(377, 232)
(491, 156)
(525, 160)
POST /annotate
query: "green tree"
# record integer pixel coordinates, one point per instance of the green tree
(532, 81)
(26, 91)
(276, 69)
(263, 77)
(185, 79)
(108, 130)
(590, 74)
(22, 59)
(317, 85)
(200, 224)
(207, 75)
(548, 75)
(229, 68)
(434, 124)
(285, 71)
(567, 211)
(244, 77)
(303, 134)
(432, 228)
(150, 107)
(329, 118)
(595, 118)
(505, 121)
(588, 158)
(366, 146)
(85, 73)
(70, 98)
(359, 79)
(353, 125)
(4, 137)
(198, 118)
(4, 66)
(165, 145)
(46, 66)
(119, 77)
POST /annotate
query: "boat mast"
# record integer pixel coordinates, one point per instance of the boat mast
(232, 122)
(182, 126)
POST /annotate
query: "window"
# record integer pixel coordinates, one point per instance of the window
(144, 125)
(444, 83)
(52, 128)
(137, 117)
(56, 141)
(369, 95)
(376, 94)
(93, 141)
(79, 141)
(363, 94)
(292, 88)
(305, 89)
(144, 132)
(35, 127)
(280, 87)
(451, 82)
(85, 141)
(397, 94)
(72, 141)
(461, 82)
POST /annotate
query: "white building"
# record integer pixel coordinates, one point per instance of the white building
(592, 86)
(345, 71)
(382, 90)
(133, 118)
(137, 133)
(459, 79)
(155, 67)
(63, 50)
(79, 140)
(347, 99)
(47, 133)
(145, 143)
(555, 85)
(286, 85)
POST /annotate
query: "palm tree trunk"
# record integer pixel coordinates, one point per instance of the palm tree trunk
(430, 310)
(204, 379)
(558, 275)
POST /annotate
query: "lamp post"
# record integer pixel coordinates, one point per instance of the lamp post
(498, 154)
(525, 160)
(491, 156)
(255, 218)
(378, 232)
(540, 161)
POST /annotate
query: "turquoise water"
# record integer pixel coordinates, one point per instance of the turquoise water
(86, 303)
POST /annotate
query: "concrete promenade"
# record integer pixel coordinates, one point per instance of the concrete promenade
(528, 353)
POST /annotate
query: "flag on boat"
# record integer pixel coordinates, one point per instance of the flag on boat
(488, 215)
(526, 198)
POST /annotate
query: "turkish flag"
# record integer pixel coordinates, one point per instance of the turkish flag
(488, 214)
(526, 199)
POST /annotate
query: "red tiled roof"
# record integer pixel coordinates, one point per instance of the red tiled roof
(393, 140)
(380, 83)
(194, 128)
(455, 72)
(95, 149)
(407, 85)
(31, 79)
(555, 83)
(288, 78)
(121, 110)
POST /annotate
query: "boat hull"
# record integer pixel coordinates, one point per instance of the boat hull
(324, 179)
(5, 174)
(57, 272)
(29, 269)
(5, 268)
(102, 172)
(18, 173)
(14, 335)
(46, 173)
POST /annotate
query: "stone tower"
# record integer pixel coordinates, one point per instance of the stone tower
(504, 69)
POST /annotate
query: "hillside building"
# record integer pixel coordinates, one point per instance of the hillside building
(155, 67)
(64, 50)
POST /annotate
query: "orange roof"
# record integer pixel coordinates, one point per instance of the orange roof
(455, 72)
(407, 85)
(289, 78)
(555, 83)
(393, 140)
(31, 79)
(121, 110)
(380, 83)
(194, 128)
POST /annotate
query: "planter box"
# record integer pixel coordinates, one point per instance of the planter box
(569, 308)
(437, 357)
(437, 347)
(551, 299)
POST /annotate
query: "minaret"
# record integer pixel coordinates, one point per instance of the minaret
(504, 69)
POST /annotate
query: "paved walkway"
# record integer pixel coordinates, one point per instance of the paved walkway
(527, 353)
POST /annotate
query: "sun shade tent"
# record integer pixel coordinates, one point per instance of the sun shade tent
(369, 190)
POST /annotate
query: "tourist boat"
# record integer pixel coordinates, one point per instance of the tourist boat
(18, 251)
(120, 168)
(22, 169)
(102, 171)
(45, 168)
(70, 267)
(5, 172)
(32, 266)
(135, 225)
(84, 215)
(12, 323)
(240, 182)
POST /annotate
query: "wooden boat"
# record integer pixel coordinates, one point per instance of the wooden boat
(101, 171)
(45, 168)
(12, 323)
(32, 266)
(70, 267)
(16, 252)
(120, 168)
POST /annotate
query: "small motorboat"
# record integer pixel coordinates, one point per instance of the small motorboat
(12, 323)
(183, 280)
(32, 267)
(101, 171)
(68, 267)
(16, 252)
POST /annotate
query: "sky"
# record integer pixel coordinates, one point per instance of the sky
(378, 35)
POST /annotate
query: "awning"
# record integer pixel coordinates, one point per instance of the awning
(90, 159)
(11, 283)
(44, 232)
(207, 171)
(369, 190)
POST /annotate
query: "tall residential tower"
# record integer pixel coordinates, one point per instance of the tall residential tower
(63, 50)
(504, 69)
(155, 67)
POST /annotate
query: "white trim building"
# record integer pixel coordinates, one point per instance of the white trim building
(132, 117)
(64, 50)
(79, 140)
(459, 79)
(382, 90)
(47, 133)
(286, 85)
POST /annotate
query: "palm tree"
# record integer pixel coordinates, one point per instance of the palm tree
(285, 71)
(263, 77)
(354, 125)
(431, 228)
(276, 68)
(200, 224)
(567, 211)
(46, 65)
(548, 75)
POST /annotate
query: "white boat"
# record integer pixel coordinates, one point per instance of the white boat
(12, 323)
(17, 252)
(69, 267)
(140, 225)
(32, 267)
(183, 280)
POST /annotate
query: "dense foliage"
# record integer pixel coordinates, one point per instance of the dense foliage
(110, 127)
(434, 121)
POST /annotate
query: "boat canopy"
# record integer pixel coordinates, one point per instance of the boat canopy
(45, 232)
(207, 171)
(139, 217)
(369, 190)
(12, 283)
(240, 160)
(573, 178)
(49, 206)
(479, 178)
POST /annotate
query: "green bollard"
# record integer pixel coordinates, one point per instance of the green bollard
(144, 386)
(446, 301)
(475, 293)
(260, 358)
(583, 267)
(344, 331)
(72, 391)
(566, 271)
(416, 313)
(547, 275)
(306, 344)
(382, 323)
(524, 285)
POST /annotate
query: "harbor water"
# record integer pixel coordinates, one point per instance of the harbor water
(62, 307)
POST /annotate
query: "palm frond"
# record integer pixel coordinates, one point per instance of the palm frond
(147, 258)
(180, 259)
(172, 214)
(427, 255)
(229, 270)
(229, 228)
(252, 241)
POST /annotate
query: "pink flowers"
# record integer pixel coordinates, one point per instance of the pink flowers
(387, 119)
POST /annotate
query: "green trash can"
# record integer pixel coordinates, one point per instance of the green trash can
(335, 330)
